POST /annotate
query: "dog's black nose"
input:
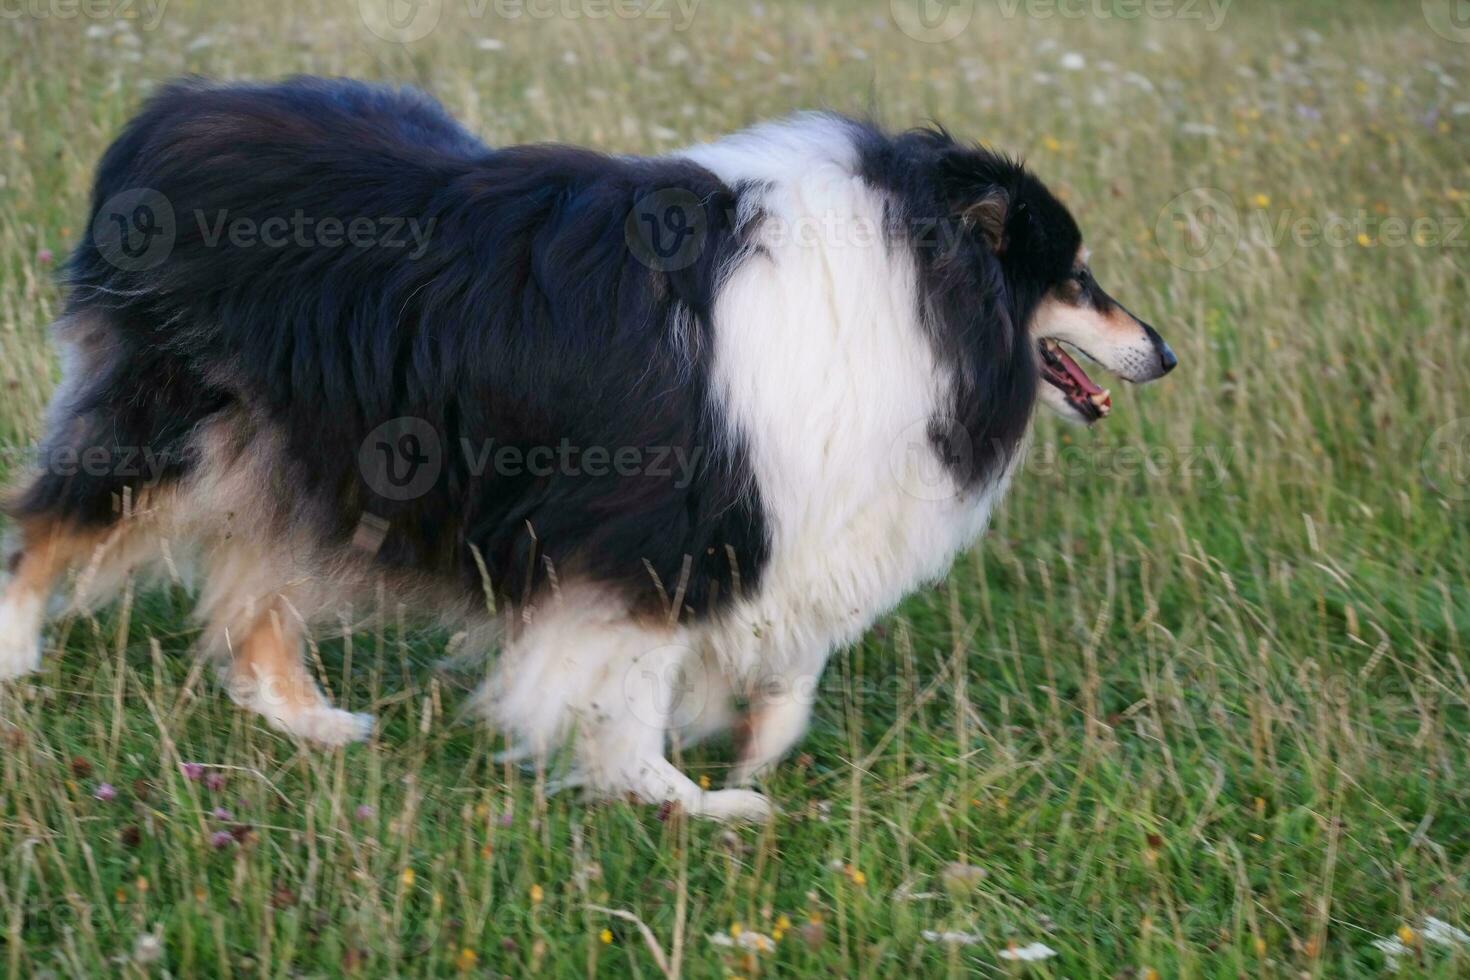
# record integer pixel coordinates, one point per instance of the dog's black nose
(1167, 360)
(1166, 356)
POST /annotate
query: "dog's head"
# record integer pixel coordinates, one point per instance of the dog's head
(1051, 287)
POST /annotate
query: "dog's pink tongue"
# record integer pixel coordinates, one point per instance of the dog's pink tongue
(1075, 372)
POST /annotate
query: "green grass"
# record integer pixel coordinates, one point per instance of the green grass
(1204, 718)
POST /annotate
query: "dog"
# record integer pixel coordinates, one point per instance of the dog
(667, 431)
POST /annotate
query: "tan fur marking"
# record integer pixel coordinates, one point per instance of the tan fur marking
(268, 657)
(47, 551)
(1121, 324)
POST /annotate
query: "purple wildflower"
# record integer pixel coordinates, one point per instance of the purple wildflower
(193, 771)
(105, 792)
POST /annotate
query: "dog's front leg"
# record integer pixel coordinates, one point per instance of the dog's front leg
(584, 667)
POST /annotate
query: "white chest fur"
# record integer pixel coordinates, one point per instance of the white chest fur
(824, 369)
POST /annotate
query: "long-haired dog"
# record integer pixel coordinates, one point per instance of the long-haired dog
(677, 427)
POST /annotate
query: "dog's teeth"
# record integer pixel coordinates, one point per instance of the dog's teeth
(1049, 344)
(1103, 400)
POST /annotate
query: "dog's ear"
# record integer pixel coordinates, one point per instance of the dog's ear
(988, 215)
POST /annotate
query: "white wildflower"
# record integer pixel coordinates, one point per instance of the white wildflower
(1393, 947)
(148, 948)
(1072, 61)
(751, 942)
(490, 44)
(1435, 931)
(1028, 954)
(952, 938)
(1442, 933)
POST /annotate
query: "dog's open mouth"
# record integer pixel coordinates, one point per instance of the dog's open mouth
(1082, 393)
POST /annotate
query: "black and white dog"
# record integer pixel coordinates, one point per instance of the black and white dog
(669, 431)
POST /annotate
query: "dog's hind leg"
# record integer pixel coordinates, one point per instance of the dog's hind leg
(47, 549)
(252, 625)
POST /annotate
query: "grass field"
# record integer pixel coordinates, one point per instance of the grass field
(1199, 704)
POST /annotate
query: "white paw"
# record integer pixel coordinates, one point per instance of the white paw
(325, 726)
(20, 640)
(735, 805)
(19, 656)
